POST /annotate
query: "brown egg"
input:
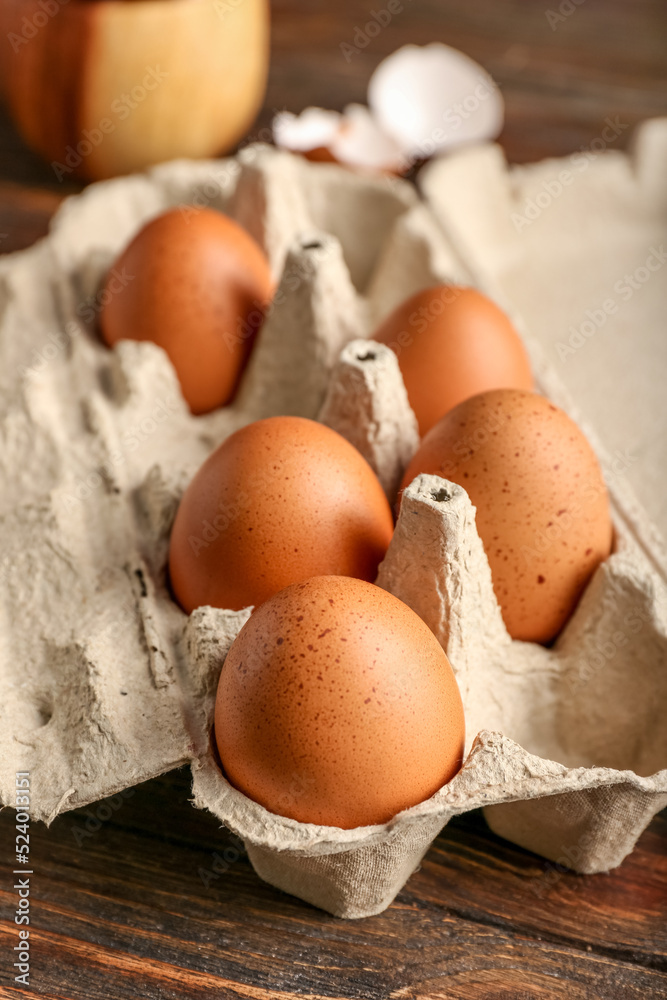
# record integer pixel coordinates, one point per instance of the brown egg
(197, 284)
(452, 343)
(281, 500)
(542, 505)
(336, 705)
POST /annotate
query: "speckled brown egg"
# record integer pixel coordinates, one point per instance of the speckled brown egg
(197, 284)
(280, 500)
(336, 705)
(542, 505)
(452, 343)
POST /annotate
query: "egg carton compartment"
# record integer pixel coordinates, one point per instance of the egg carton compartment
(566, 748)
(106, 682)
(98, 446)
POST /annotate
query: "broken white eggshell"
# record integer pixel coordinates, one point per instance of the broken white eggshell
(433, 97)
(314, 128)
(361, 143)
(352, 138)
(422, 101)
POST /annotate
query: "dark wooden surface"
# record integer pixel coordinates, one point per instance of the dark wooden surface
(123, 912)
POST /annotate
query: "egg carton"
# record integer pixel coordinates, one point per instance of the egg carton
(106, 682)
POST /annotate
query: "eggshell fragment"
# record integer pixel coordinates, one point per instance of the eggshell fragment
(337, 706)
(453, 343)
(281, 500)
(313, 129)
(422, 100)
(433, 97)
(542, 505)
(362, 143)
(196, 284)
(352, 138)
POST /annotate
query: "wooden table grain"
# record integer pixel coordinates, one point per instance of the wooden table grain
(131, 900)
(127, 902)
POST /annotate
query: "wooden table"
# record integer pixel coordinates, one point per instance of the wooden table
(120, 907)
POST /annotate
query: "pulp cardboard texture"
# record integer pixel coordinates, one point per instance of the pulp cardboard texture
(106, 682)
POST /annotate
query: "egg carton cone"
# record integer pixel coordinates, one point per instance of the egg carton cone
(106, 682)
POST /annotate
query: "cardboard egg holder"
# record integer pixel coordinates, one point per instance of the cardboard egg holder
(106, 682)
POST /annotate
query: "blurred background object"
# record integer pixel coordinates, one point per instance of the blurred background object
(107, 87)
(563, 67)
(422, 100)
